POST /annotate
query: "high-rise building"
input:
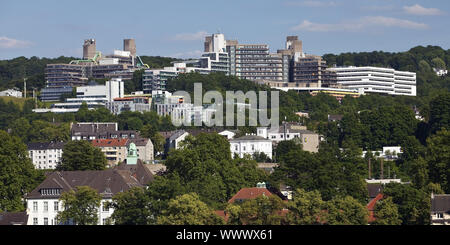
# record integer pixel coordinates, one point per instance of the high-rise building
(130, 45)
(311, 71)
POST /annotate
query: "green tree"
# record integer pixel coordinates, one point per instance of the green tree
(132, 208)
(82, 155)
(346, 211)
(17, 174)
(438, 63)
(149, 131)
(263, 210)
(80, 206)
(438, 158)
(306, 208)
(440, 112)
(386, 213)
(187, 209)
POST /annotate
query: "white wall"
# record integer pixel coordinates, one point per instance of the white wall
(45, 159)
(242, 147)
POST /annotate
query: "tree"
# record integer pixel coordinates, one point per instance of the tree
(386, 213)
(413, 204)
(306, 208)
(438, 158)
(80, 206)
(438, 63)
(17, 174)
(263, 210)
(187, 209)
(149, 131)
(81, 155)
(132, 208)
(346, 211)
(440, 112)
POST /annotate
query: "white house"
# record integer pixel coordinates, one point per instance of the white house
(43, 202)
(11, 93)
(45, 155)
(250, 144)
(228, 134)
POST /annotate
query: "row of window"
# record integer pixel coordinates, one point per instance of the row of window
(105, 208)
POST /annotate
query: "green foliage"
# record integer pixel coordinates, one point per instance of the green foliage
(346, 211)
(440, 112)
(17, 174)
(149, 131)
(82, 155)
(386, 213)
(263, 210)
(413, 204)
(187, 209)
(132, 208)
(157, 61)
(438, 158)
(306, 208)
(80, 206)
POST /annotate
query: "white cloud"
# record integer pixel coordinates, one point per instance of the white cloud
(188, 54)
(7, 43)
(419, 10)
(312, 3)
(360, 24)
(190, 36)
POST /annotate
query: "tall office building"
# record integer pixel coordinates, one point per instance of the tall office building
(311, 71)
(254, 62)
(215, 56)
(130, 45)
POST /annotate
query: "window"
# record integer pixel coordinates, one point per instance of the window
(55, 206)
(253, 147)
(45, 206)
(104, 222)
(35, 206)
(105, 207)
(235, 147)
(440, 215)
(35, 222)
(45, 221)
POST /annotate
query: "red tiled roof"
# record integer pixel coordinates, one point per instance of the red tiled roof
(371, 207)
(109, 142)
(250, 193)
(222, 214)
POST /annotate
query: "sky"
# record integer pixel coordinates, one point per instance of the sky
(176, 28)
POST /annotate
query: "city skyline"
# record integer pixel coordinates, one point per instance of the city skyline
(177, 29)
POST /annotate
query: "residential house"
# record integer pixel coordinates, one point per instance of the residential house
(45, 155)
(250, 144)
(144, 148)
(115, 150)
(440, 209)
(43, 202)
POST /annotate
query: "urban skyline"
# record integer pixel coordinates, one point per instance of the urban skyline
(177, 29)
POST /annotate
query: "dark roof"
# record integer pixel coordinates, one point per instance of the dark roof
(83, 128)
(19, 218)
(440, 203)
(251, 137)
(374, 189)
(167, 134)
(335, 117)
(139, 171)
(45, 145)
(176, 135)
(139, 141)
(106, 182)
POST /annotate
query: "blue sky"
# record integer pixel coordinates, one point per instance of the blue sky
(176, 28)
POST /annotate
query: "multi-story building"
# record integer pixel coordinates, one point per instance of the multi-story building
(94, 130)
(43, 203)
(292, 131)
(255, 62)
(311, 71)
(140, 104)
(115, 150)
(249, 145)
(45, 155)
(144, 149)
(215, 56)
(376, 80)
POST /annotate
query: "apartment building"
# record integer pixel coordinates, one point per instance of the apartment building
(115, 150)
(370, 79)
(311, 71)
(440, 209)
(95, 130)
(249, 145)
(45, 155)
(119, 105)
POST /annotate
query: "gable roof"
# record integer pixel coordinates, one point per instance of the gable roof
(17, 218)
(440, 203)
(110, 142)
(106, 182)
(374, 189)
(371, 207)
(249, 193)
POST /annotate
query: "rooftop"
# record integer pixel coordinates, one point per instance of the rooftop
(45, 145)
(110, 142)
(249, 193)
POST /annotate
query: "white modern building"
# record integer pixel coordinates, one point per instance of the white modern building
(370, 79)
(11, 93)
(140, 104)
(388, 152)
(250, 144)
(45, 155)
